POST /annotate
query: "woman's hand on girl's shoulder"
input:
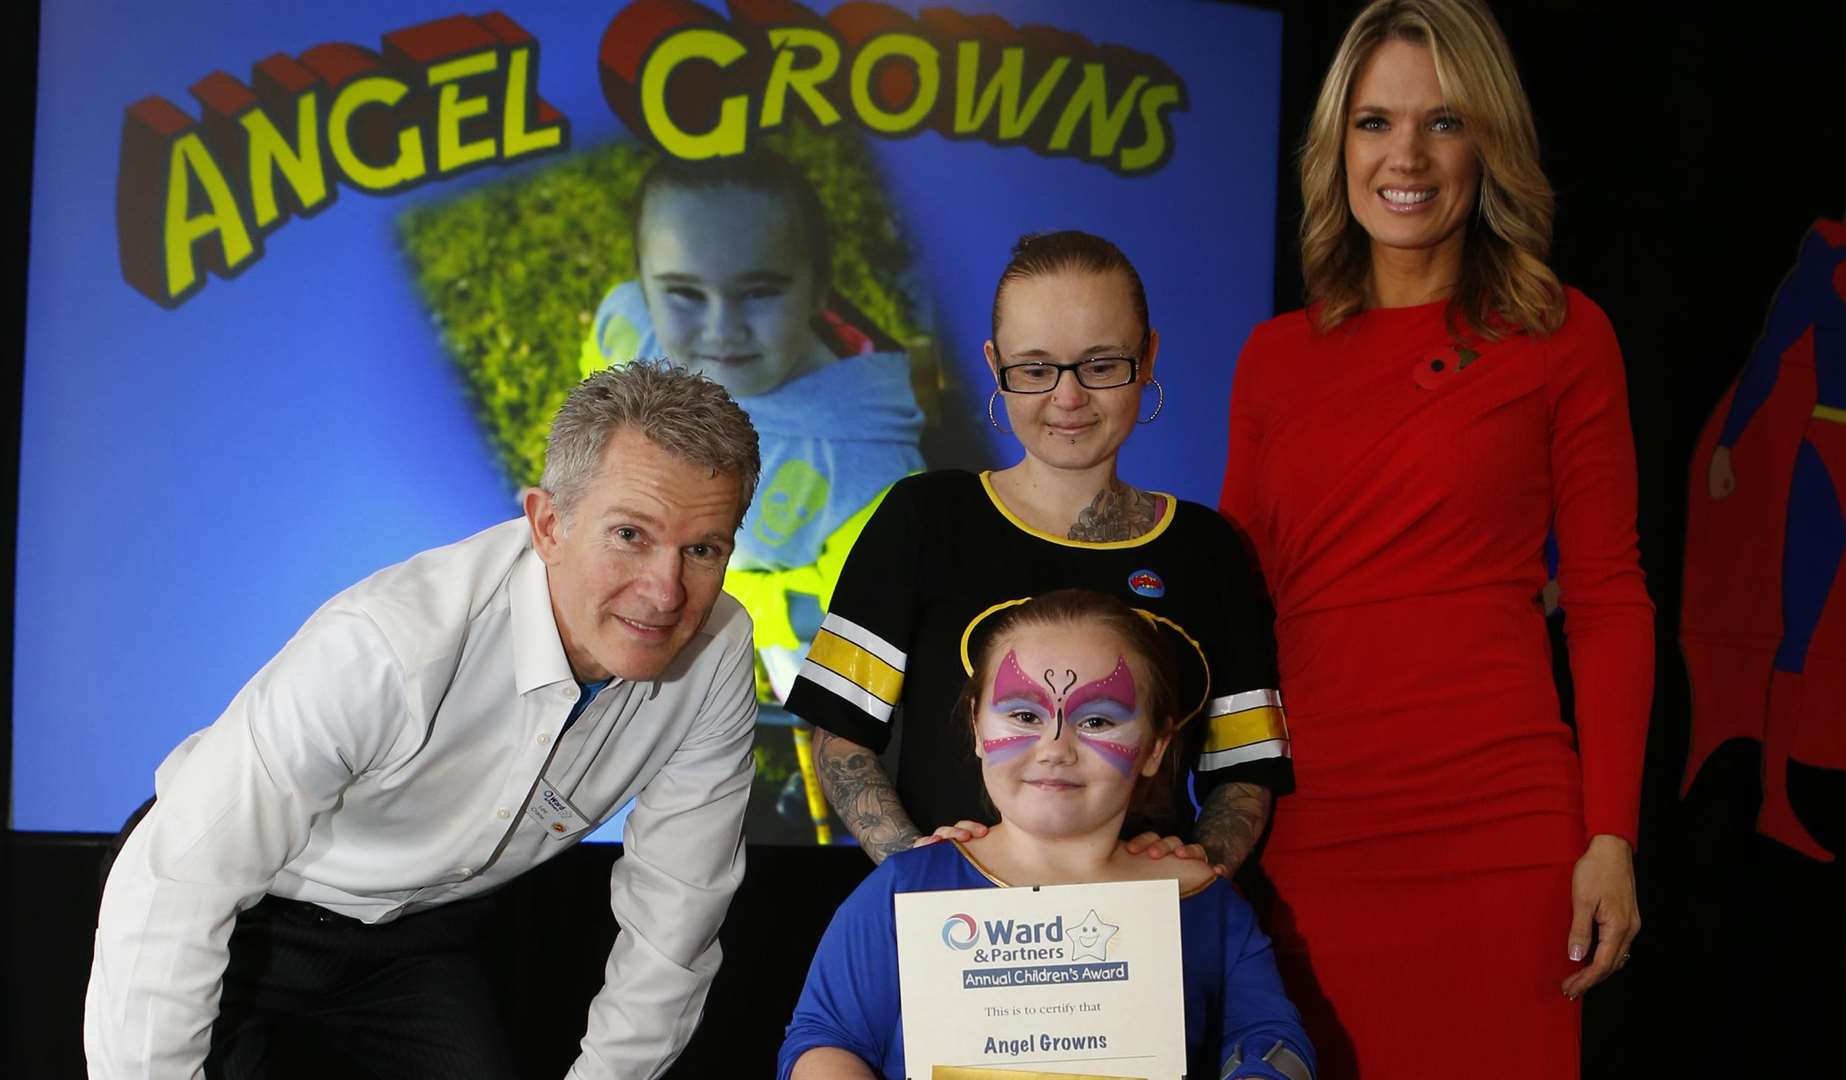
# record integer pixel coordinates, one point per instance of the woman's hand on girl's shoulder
(1154, 846)
(963, 831)
(1190, 866)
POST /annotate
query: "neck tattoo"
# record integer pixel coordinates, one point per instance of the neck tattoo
(1118, 512)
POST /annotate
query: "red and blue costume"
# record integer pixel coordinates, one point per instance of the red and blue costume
(1803, 339)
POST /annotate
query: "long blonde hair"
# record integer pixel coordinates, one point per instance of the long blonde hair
(1505, 284)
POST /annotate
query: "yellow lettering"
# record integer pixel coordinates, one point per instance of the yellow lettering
(372, 90)
(299, 164)
(1153, 150)
(805, 82)
(971, 114)
(1106, 121)
(452, 109)
(516, 140)
(928, 62)
(728, 137)
(187, 159)
(1012, 127)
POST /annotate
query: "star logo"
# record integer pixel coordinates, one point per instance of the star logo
(1090, 938)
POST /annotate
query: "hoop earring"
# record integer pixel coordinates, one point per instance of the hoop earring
(991, 419)
(1158, 405)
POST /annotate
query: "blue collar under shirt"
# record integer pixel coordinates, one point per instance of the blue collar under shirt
(586, 693)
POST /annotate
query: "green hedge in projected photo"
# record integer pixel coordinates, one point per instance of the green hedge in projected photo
(513, 270)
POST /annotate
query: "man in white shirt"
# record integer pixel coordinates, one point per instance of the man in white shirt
(437, 730)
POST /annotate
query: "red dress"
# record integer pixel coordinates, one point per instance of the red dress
(1397, 482)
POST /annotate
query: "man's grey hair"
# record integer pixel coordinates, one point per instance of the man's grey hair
(684, 414)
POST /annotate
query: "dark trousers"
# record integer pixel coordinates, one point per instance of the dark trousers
(313, 994)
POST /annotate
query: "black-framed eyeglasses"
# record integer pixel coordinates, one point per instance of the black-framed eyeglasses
(1095, 373)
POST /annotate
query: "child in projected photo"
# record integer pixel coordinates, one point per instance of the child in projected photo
(1071, 705)
(735, 269)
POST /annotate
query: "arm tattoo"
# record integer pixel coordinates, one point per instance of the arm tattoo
(862, 794)
(1232, 821)
(1119, 512)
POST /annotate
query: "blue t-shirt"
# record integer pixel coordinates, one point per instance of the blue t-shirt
(1233, 996)
(586, 693)
(831, 440)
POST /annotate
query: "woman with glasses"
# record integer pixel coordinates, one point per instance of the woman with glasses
(1073, 355)
(1398, 452)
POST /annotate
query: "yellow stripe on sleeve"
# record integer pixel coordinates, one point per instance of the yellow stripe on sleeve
(856, 665)
(1246, 727)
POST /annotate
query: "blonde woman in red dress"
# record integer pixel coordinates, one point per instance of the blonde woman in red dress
(1455, 869)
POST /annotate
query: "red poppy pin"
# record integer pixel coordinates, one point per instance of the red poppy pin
(1432, 371)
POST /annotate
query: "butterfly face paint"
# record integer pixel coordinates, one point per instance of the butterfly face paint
(1101, 713)
(1014, 694)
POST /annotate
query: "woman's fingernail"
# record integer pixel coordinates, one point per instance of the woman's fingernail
(1576, 952)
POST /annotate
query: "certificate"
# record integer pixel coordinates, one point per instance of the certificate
(1053, 980)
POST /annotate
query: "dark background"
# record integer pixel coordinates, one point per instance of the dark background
(1690, 152)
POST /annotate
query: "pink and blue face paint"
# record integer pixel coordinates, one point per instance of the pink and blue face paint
(1015, 692)
(1111, 698)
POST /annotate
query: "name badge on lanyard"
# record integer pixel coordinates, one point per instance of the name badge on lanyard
(554, 813)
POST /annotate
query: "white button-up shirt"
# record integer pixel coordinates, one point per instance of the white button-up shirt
(391, 758)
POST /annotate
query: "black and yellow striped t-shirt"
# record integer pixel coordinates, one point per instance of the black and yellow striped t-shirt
(942, 549)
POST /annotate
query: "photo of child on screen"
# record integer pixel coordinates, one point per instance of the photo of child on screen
(734, 276)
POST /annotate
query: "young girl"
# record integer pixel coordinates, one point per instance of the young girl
(1062, 760)
(734, 281)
